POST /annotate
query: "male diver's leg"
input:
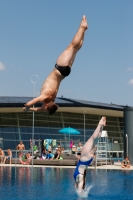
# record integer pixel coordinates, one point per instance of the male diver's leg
(68, 56)
(86, 150)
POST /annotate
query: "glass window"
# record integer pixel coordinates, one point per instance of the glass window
(6, 115)
(29, 123)
(23, 129)
(26, 144)
(17, 136)
(36, 129)
(21, 116)
(1, 143)
(54, 124)
(0, 132)
(35, 123)
(30, 136)
(92, 117)
(28, 115)
(47, 127)
(10, 144)
(7, 122)
(45, 136)
(29, 129)
(8, 136)
(65, 114)
(24, 137)
(67, 124)
(22, 123)
(75, 125)
(45, 130)
(37, 136)
(54, 130)
(16, 129)
(54, 118)
(8, 129)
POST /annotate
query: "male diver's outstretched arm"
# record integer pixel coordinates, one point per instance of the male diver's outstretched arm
(28, 105)
(33, 109)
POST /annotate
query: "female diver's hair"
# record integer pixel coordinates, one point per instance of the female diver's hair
(84, 177)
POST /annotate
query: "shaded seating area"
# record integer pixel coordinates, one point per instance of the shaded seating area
(68, 160)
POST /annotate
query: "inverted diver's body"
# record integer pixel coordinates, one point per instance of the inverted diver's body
(62, 69)
(86, 157)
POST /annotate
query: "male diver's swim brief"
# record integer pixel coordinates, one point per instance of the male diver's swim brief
(65, 71)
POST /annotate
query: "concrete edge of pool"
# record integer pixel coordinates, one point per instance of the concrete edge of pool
(116, 166)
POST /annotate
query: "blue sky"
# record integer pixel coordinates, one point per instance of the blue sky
(33, 33)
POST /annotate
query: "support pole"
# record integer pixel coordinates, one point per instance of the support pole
(128, 133)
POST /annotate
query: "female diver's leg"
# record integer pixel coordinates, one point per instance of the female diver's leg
(86, 153)
(67, 57)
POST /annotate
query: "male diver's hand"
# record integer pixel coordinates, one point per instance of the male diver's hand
(24, 108)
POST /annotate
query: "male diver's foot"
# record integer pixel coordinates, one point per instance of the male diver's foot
(84, 23)
(103, 121)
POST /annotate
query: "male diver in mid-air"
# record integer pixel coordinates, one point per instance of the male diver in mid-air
(61, 70)
(86, 157)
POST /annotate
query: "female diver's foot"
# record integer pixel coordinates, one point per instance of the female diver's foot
(84, 23)
(103, 121)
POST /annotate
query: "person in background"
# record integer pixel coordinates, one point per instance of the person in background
(30, 143)
(35, 148)
(125, 163)
(44, 154)
(50, 148)
(59, 146)
(79, 148)
(57, 154)
(20, 146)
(50, 156)
(27, 156)
(71, 144)
(9, 157)
(61, 149)
(1, 156)
(74, 149)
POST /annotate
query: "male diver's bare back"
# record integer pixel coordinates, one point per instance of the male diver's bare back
(51, 84)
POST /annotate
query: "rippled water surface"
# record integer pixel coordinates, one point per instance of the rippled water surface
(58, 184)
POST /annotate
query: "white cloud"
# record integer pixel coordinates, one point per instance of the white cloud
(2, 67)
(130, 82)
(130, 69)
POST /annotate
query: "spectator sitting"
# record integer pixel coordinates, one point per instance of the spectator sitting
(49, 148)
(79, 148)
(125, 163)
(44, 154)
(74, 149)
(9, 157)
(1, 156)
(50, 156)
(57, 154)
(61, 149)
(28, 156)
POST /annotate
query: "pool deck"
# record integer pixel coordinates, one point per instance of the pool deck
(116, 166)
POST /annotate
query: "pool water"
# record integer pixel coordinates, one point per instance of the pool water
(58, 184)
